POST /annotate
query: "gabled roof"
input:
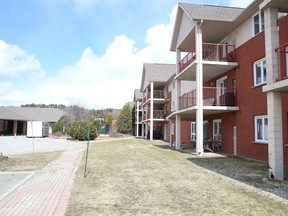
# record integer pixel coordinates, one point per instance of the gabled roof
(29, 113)
(157, 73)
(211, 12)
(137, 95)
(211, 16)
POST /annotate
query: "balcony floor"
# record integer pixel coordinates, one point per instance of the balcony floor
(190, 112)
(211, 69)
(280, 86)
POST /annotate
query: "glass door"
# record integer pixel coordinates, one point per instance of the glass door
(221, 85)
(217, 129)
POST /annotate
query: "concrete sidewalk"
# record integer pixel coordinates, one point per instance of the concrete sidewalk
(47, 191)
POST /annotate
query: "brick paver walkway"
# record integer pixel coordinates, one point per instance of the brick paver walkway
(48, 191)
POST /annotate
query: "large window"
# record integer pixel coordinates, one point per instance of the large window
(258, 23)
(260, 74)
(261, 129)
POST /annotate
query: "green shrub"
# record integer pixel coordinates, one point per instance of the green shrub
(58, 127)
(79, 130)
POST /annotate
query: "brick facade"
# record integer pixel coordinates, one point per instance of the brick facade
(283, 38)
(252, 101)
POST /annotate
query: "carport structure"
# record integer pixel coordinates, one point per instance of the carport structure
(13, 120)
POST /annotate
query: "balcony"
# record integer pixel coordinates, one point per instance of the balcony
(217, 59)
(157, 94)
(212, 96)
(282, 54)
(281, 84)
(139, 120)
(159, 97)
(157, 114)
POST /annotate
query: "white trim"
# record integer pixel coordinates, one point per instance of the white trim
(261, 128)
(218, 132)
(259, 13)
(193, 131)
(262, 62)
(219, 90)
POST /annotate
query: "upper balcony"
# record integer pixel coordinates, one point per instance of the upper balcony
(281, 83)
(215, 100)
(159, 97)
(282, 55)
(217, 59)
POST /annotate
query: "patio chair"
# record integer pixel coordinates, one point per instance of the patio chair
(216, 143)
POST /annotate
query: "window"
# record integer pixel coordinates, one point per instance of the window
(173, 84)
(258, 23)
(193, 131)
(261, 129)
(260, 74)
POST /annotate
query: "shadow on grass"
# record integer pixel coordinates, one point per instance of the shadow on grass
(162, 146)
(246, 171)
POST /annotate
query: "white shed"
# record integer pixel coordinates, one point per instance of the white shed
(37, 129)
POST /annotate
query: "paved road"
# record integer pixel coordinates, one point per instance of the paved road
(22, 145)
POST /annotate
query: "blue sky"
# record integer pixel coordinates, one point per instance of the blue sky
(84, 52)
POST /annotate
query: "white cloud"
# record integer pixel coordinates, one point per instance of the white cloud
(14, 61)
(102, 81)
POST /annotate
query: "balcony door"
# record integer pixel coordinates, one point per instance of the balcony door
(217, 129)
(221, 85)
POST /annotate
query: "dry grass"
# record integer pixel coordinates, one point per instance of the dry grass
(138, 177)
(28, 162)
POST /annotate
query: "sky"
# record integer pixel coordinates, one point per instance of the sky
(83, 52)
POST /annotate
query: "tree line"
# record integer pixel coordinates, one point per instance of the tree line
(79, 120)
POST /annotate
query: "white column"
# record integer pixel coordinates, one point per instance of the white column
(275, 136)
(146, 115)
(143, 113)
(199, 96)
(178, 94)
(151, 109)
(274, 103)
(178, 59)
(170, 134)
(271, 43)
(178, 131)
(137, 118)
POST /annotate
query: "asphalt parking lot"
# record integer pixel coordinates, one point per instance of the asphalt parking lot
(23, 145)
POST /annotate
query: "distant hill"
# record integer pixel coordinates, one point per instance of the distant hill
(79, 111)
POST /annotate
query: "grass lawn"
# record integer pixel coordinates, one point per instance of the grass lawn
(28, 162)
(139, 177)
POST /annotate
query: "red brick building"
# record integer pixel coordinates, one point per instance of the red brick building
(230, 83)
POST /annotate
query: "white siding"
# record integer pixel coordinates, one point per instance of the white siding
(185, 28)
(241, 34)
(187, 86)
